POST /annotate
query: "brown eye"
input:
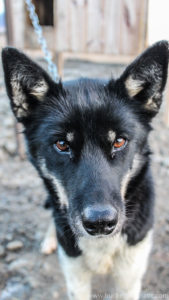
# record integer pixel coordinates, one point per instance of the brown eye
(119, 143)
(62, 146)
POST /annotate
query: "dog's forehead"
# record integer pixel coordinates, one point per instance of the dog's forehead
(86, 92)
(92, 108)
(83, 83)
(88, 108)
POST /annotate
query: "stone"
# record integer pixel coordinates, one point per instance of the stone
(14, 245)
(167, 229)
(47, 267)
(10, 147)
(2, 251)
(10, 257)
(167, 220)
(9, 122)
(33, 282)
(15, 291)
(18, 264)
(55, 295)
(9, 236)
(4, 274)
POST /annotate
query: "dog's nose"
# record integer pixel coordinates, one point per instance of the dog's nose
(100, 220)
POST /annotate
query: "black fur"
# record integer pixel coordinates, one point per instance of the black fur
(91, 173)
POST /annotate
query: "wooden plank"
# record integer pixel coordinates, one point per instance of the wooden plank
(61, 16)
(18, 23)
(94, 24)
(111, 26)
(166, 114)
(100, 26)
(77, 29)
(91, 57)
(143, 26)
(131, 14)
(73, 28)
(32, 41)
(8, 17)
(15, 17)
(3, 40)
(101, 58)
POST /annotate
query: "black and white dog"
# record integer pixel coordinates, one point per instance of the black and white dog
(88, 140)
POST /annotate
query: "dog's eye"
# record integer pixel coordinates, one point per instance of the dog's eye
(119, 144)
(62, 146)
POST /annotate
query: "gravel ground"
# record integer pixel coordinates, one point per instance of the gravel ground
(24, 272)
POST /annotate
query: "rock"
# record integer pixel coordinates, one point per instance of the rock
(15, 291)
(33, 282)
(167, 229)
(3, 275)
(165, 162)
(55, 295)
(18, 264)
(2, 251)
(167, 220)
(162, 160)
(14, 245)
(10, 147)
(9, 122)
(9, 236)
(10, 257)
(47, 267)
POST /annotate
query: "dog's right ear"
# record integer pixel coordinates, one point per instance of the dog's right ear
(144, 80)
(27, 83)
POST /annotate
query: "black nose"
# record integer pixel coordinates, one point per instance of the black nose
(99, 219)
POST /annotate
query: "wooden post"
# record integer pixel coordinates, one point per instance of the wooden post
(166, 115)
(60, 63)
(11, 42)
(8, 17)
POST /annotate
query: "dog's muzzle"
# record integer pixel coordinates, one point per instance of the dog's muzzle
(99, 220)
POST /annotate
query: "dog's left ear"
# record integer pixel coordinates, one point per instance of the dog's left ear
(27, 83)
(144, 79)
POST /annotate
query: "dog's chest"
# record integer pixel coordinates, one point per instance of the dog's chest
(99, 255)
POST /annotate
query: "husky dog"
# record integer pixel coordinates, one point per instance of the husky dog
(88, 139)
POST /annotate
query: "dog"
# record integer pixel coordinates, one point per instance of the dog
(88, 139)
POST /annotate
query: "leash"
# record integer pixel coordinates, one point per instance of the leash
(52, 68)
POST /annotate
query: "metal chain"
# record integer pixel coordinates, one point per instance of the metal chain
(42, 41)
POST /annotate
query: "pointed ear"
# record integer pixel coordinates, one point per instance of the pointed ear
(144, 80)
(27, 83)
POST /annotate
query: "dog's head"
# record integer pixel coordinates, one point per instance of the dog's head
(88, 138)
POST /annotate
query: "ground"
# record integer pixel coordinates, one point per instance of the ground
(24, 272)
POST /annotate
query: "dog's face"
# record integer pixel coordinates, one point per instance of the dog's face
(88, 138)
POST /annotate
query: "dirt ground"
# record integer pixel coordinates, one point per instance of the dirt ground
(24, 272)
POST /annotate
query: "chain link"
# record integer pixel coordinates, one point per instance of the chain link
(41, 40)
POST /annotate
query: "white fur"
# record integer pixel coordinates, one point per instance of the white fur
(130, 173)
(151, 103)
(98, 253)
(49, 243)
(133, 86)
(19, 97)
(130, 266)
(40, 89)
(78, 277)
(59, 189)
(111, 136)
(70, 136)
(126, 264)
